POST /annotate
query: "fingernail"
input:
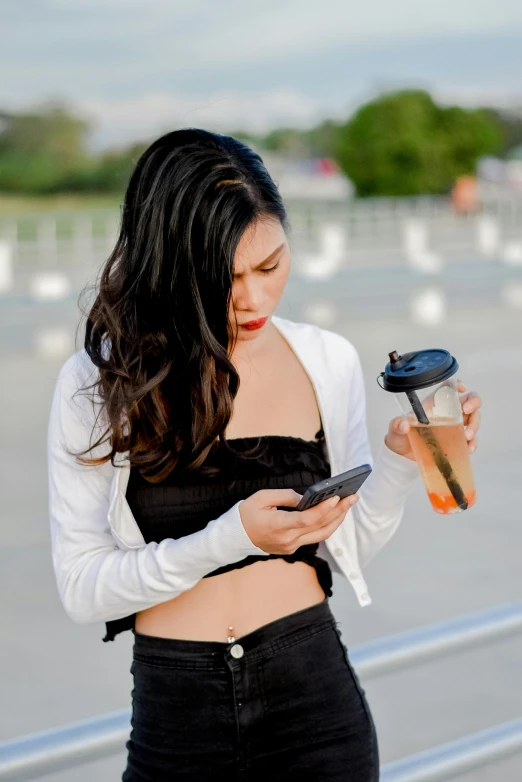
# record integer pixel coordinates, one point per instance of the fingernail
(469, 434)
(334, 500)
(403, 428)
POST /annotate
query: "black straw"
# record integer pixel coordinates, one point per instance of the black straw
(439, 457)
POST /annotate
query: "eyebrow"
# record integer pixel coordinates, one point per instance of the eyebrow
(267, 259)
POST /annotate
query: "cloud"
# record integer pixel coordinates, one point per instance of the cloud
(137, 68)
(135, 40)
(124, 121)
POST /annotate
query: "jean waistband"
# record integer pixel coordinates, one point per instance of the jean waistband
(279, 633)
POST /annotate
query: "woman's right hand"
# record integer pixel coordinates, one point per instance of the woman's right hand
(283, 531)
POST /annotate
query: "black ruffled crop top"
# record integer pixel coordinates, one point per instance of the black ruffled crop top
(181, 505)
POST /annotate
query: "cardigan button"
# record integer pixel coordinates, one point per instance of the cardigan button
(353, 575)
(338, 552)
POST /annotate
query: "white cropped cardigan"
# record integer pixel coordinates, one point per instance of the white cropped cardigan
(104, 569)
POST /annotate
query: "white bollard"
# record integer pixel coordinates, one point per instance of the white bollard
(415, 240)
(426, 262)
(6, 267)
(488, 234)
(50, 286)
(328, 261)
(415, 235)
(333, 241)
(428, 307)
(512, 253)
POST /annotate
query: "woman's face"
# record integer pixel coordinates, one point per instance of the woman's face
(261, 268)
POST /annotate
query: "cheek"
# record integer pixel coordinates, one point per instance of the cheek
(274, 288)
(279, 278)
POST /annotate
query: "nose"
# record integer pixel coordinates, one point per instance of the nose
(248, 295)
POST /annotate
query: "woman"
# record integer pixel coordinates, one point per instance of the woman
(218, 415)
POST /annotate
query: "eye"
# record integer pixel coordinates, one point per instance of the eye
(272, 268)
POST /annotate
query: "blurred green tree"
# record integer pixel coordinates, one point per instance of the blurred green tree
(405, 144)
(40, 147)
(511, 123)
(108, 172)
(44, 152)
(398, 144)
(317, 142)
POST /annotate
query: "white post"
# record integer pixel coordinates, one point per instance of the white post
(6, 266)
(428, 307)
(488, 234)
(333, 241)
(10, 234)
(327, 261)
(415, 239)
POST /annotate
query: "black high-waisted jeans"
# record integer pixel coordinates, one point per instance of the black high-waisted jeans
(280, 703)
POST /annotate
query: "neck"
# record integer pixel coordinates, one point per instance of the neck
(258, 348)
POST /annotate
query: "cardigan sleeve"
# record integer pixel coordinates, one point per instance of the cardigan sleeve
(382, 497)
(97, 581)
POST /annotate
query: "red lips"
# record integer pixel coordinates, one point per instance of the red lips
(251, 325)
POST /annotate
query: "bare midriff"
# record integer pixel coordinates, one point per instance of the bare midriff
(275, 396)
(245, 599)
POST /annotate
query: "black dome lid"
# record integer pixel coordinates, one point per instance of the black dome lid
(418, 369)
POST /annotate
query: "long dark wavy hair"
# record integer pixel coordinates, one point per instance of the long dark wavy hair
(159, 329)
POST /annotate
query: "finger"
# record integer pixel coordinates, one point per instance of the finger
(473, 445)
(471, 402)
(473, 424)
(469, 405)
(340, 514)
(312, 516)
(324, 515)
(340, 509)
(273, 497)
(399, 425)
(324, 531)
(461, 386)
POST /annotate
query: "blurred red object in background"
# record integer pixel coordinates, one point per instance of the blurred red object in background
(464, 195)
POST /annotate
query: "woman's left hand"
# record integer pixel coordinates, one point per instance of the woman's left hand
(397, 436)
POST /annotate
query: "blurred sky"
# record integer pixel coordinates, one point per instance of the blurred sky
(137, 67)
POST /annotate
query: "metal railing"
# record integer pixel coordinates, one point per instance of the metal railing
(33, 756)
(457, 757)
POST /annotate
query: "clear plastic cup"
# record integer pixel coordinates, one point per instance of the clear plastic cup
(437, 436)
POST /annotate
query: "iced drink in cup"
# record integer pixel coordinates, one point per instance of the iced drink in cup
(424, 383)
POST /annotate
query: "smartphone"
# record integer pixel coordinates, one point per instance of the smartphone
(343, 484)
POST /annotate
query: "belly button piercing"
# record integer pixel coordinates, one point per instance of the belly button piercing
(231, 638)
